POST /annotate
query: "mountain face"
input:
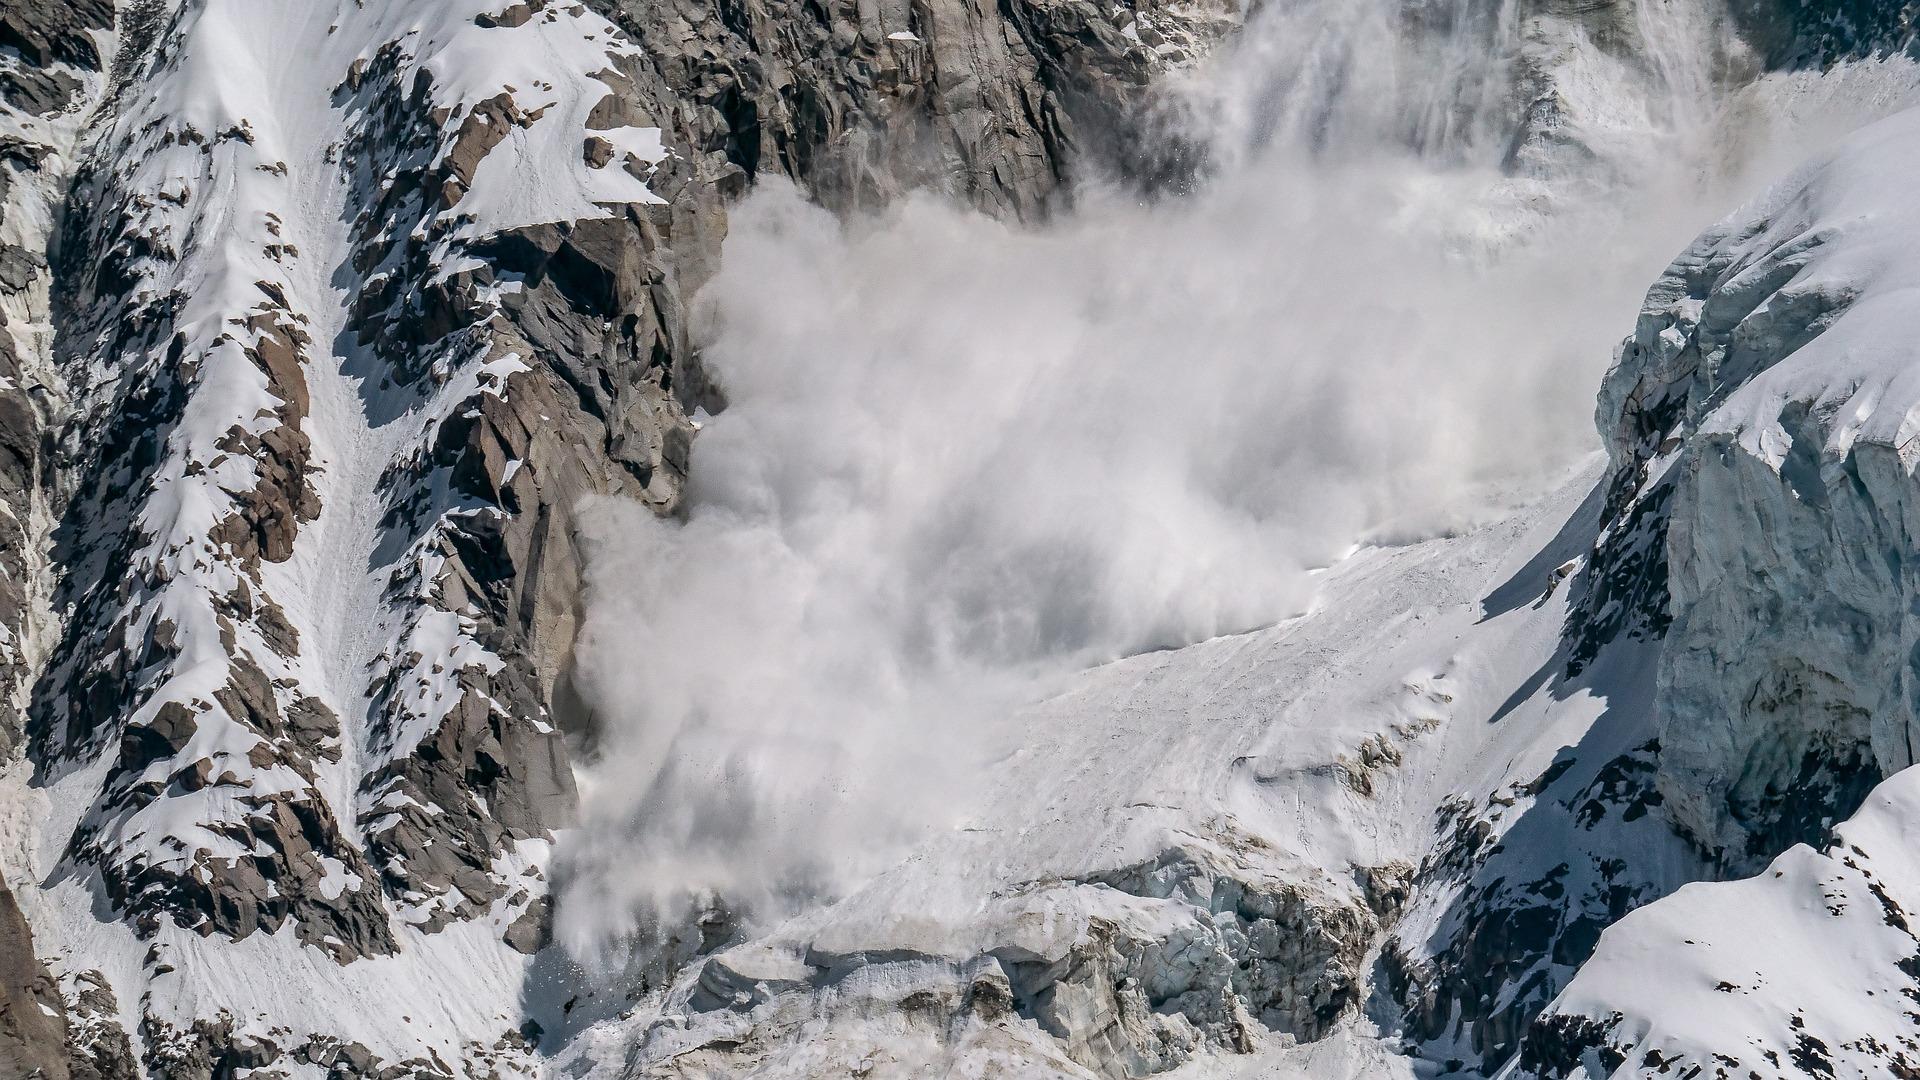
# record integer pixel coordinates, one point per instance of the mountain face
(326, 321)
(1788, 718)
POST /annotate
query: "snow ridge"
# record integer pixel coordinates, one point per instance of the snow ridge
(1770, 389)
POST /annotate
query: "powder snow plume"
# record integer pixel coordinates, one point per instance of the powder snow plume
(963, 459)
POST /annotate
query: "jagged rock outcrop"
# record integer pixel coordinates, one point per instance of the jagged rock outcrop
(33, 1023)
(176, 657)
(42, 90)
(859, 102)
(1747, 568)
(54, 65)
(98, 1047)
(544, 345)
(323, 321)
(1816, 977)
(1818, 35)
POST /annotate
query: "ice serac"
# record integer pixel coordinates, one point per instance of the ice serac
(1763, 406)
(1766, 406)
(1198, 858)
(1754, 536)
(1437, 845)
(323, 319)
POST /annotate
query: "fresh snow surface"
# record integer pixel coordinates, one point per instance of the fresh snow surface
(1853, 215)
(1239, 749)
(274, 206)
(1423, 680)
(1809, 961)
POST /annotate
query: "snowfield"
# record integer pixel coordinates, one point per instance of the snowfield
(1289, 759)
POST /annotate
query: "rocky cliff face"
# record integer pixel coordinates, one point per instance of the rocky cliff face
(996, 105)
(1772, 723)
(309, 367)
(1818, 35)
(33, 1030)
(55, 68)
(1746, 564)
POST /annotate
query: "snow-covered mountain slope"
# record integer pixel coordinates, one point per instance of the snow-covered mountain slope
(1768, 399)
(55, 63)
(327, 322)
(267, 461)
(1806, 969)
(327, 317)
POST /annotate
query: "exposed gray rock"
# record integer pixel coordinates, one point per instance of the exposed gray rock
(861, 101)
(999, 106)
(56, 49)
(55, 31)
(858, 104)
(1752, 551)
(205, 1050)
(19, 461)
(37, 90)
(601, 304)
(98, 1047)
(1817, 35)
(33, 1022)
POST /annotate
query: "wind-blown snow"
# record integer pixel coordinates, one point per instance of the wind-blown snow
(961, 459)
(1243, 749)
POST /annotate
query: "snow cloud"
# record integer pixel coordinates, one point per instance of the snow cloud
(963, 459)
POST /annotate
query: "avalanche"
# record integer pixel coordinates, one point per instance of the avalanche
(1143, 599)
